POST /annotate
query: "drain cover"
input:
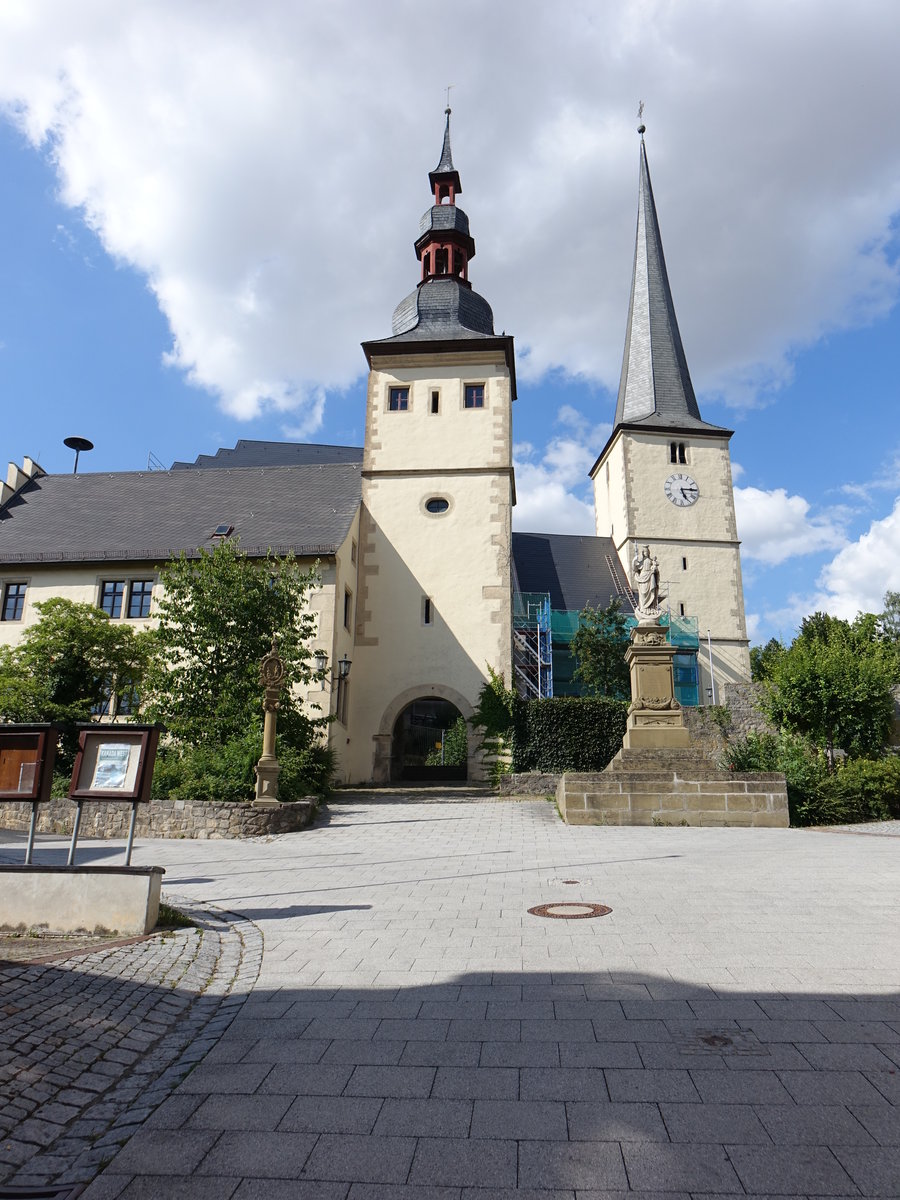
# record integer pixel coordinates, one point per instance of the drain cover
(569, 910)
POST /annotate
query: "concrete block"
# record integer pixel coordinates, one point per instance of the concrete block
(68, 899)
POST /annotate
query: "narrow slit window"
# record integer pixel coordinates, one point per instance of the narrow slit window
(435, 402)
(427, 611)
(681, 609)
(684, 564)
(348, 608)
(673, 452)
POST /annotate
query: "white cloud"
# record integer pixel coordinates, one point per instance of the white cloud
(754, 621)
(266, 175)
(546, 500)
(856, 578)
(774, 526)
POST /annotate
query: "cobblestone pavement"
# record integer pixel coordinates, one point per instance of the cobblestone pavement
(93, 1043)
(732, 1027)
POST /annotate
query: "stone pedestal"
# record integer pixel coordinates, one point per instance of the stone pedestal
(267, 771)
(655, 720)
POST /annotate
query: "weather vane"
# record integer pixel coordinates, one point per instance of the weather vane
(641, 126)
(449, 86)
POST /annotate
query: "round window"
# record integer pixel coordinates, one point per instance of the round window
(437, 504)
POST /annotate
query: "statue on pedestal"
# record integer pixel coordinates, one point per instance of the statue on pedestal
(645, 575)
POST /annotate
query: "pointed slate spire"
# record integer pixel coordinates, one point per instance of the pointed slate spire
(655, 388)
(445, 172)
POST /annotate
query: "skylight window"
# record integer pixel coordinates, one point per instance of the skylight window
(222, 531)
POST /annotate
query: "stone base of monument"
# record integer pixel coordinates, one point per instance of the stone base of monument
(656, 778)
(76, 899)
(672, 787)
(655, 719)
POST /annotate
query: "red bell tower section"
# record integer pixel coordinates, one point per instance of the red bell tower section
(445, 245)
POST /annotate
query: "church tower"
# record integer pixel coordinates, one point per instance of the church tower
(664, 476)
(433, 609)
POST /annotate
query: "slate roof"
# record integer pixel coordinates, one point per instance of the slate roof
(151, 516)
(249, 453)
(445, 168)
(655, 387)
(441, 309)
(572, 569)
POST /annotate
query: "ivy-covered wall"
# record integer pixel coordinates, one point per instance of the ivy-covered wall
(567, 734)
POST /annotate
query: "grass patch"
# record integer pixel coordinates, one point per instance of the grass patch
(171, 918)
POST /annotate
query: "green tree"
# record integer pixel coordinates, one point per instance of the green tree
(889, 620)
(833, 685)
(764, 658)
(217, 616)
(68, 664)
(599, 648)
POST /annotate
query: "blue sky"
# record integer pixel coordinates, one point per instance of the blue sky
(193, 243)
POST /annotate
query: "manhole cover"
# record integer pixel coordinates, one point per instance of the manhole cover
(569, 910)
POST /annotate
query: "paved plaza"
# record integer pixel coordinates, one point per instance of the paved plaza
(368, 1011)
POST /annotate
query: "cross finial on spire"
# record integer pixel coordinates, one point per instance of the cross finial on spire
(447, 109)
(641, 126)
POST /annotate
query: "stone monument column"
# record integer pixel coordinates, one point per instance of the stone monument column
(655, 720)
(271, 676)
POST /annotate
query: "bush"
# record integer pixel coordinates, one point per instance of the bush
(861, 789)
(227, 772)
(567, 733)
(453, 750)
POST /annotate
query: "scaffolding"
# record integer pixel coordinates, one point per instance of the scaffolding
(532, 645)
(541, 648)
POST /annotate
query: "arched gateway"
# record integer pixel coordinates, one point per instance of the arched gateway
(424, 737)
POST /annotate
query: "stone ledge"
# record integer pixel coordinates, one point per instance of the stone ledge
(665, 787)
(200, 819)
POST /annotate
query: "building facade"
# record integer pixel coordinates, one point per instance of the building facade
(423, 581)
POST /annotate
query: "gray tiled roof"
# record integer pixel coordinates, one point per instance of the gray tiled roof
(440, 309)
(151, 516)
(444, 216)
(655, 387)
(248, 453)
(572, 569)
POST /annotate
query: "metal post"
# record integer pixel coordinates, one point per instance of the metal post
(134, 807)
(712, 673)
(71, 859)
(31, 830)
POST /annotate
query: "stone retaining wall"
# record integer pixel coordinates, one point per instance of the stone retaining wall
(666, 787)
(162, 818)
(529, 783)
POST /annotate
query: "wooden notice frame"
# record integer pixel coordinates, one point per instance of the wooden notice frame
(27, 755)
(114, 762)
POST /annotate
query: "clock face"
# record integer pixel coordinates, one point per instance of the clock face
(682, 490)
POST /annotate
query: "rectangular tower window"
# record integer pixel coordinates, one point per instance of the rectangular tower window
(398, 399)
(13, 601)
(474, 396)
(427, 611)
(348, 608)
(682, 458)
(112, 594)
(435, 402)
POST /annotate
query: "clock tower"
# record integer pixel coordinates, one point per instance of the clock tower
(664, 477)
